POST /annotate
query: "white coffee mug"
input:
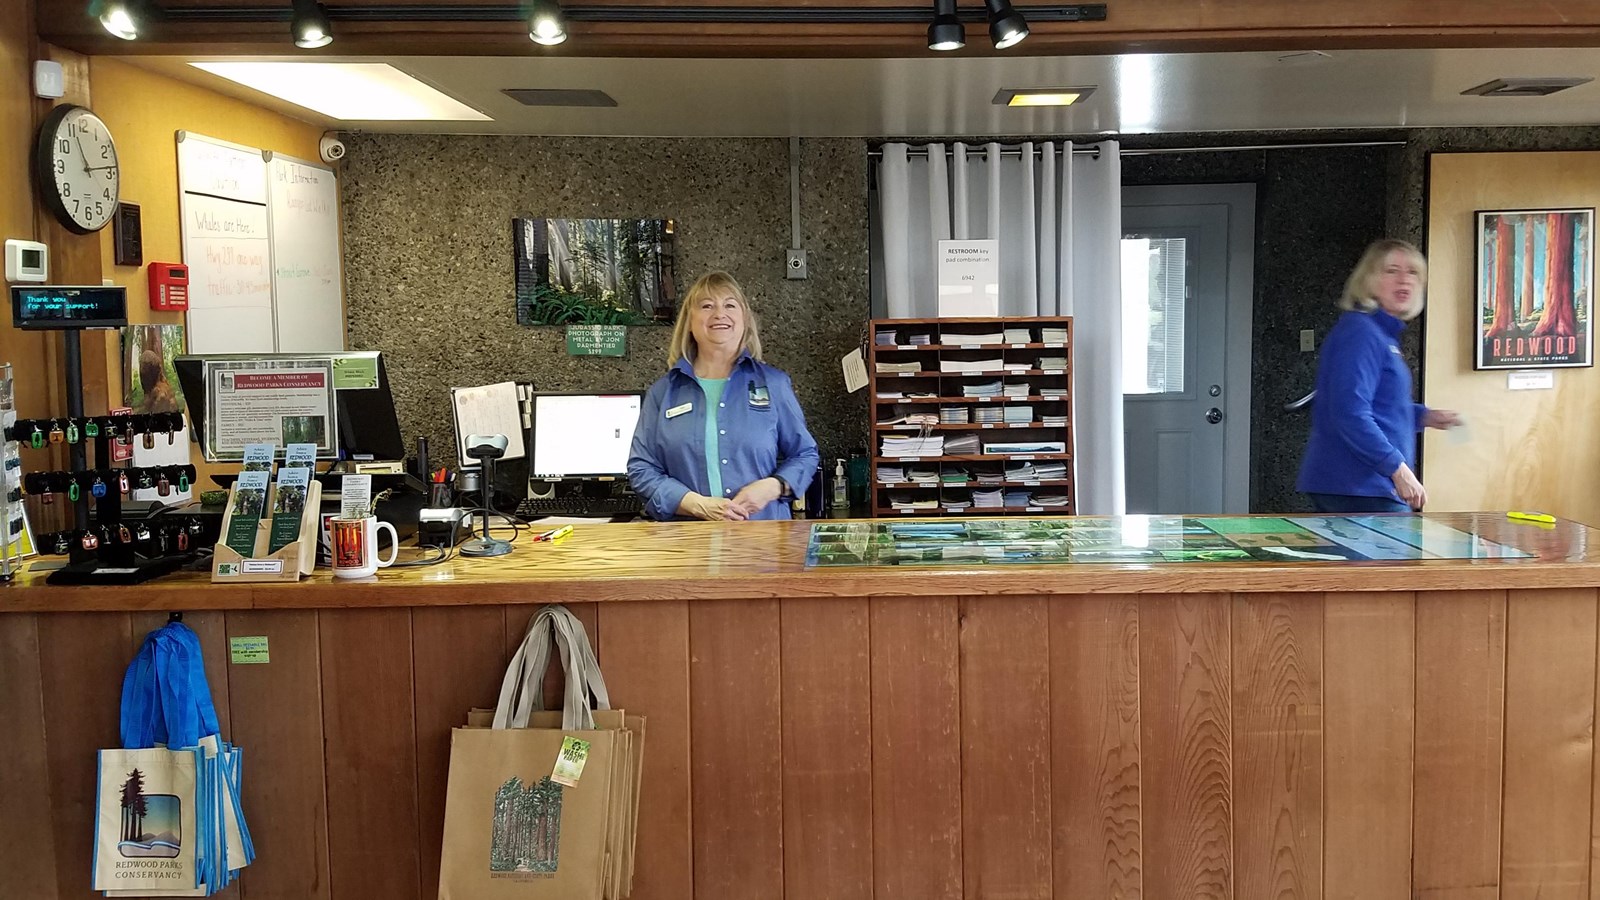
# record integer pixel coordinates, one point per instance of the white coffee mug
(355, 547)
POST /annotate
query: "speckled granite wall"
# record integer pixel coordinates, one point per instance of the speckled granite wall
(1316, 210)
(429, 259)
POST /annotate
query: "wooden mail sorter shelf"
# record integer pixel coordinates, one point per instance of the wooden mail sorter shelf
(972, 416)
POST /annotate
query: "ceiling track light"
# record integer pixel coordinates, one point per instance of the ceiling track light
(1007, 27)
(119, 17)
(185, 12)
(546, 25)
(310, 26)
(946, 32)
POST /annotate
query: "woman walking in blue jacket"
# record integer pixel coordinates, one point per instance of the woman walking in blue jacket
(1364, 424)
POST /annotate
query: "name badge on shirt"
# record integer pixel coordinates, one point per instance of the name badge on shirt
(758, 396)
(679, 410)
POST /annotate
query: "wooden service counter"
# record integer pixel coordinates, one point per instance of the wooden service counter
(1250, 730)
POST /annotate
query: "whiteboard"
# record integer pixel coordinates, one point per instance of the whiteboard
(222, 192)
(307, 272)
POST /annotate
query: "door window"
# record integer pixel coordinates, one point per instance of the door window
(1154, 293)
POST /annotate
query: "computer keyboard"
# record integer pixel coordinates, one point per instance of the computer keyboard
(595, 507)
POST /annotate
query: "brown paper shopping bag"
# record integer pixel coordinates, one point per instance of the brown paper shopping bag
(511, 831)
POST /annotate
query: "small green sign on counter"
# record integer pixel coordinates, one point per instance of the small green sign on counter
(244, 651)
(597, 340)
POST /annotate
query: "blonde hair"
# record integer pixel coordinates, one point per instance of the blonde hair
(683, 344)
(1358, 289)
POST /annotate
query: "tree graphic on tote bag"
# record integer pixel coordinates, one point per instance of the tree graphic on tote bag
(165, 817)
(527, 827)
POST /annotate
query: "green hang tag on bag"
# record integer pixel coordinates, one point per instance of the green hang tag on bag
(569, 762)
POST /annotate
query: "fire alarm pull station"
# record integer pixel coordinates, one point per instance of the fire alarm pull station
(169, 286)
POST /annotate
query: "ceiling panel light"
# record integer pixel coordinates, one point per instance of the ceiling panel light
(946, 32)
(1060, 96)
(310, 26)
(546, 25)
(118, 17)
(1007, 27)
(350, 91)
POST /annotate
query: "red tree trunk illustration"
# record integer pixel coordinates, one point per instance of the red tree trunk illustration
(1559, 317)
(1505, 319)
(1526, 312)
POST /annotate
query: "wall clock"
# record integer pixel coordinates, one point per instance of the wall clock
(75, 167)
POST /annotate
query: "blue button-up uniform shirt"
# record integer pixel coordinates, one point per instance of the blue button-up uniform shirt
(761, 431)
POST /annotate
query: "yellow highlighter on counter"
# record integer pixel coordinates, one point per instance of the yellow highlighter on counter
(1545, 518)
(555, 535)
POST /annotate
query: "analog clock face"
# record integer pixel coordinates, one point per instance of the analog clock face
(79, 177)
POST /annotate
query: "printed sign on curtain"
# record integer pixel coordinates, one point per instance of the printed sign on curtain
(969, 278)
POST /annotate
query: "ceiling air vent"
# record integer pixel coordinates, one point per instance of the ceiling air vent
(559, 97)
(1524, 87)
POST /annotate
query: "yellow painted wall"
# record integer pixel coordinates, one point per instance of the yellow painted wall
(144, 111)
(1536, 450)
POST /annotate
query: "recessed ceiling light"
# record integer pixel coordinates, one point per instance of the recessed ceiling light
(1525, 87)
(1061, 96)
(350, 91)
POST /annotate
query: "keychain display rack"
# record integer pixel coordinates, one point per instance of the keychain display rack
(12, 524)
(105, 549)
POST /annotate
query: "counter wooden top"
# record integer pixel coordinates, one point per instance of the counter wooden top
(643, 561)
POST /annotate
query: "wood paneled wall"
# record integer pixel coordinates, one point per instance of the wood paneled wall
(1187, 746)
(1527, 449)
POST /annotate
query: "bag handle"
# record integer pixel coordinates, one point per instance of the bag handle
(522, 687)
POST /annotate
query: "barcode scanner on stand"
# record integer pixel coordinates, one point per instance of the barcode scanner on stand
(486, 448)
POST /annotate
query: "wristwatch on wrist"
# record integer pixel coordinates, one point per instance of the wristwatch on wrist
(783, 487)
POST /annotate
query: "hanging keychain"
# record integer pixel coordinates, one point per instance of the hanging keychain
(91, 428)
(73, 490)
(72, 431)
(98, 489)
(183, 481)
(163, 486)
(122, 482)
(56, 434)
(36, 440)
(145, 481)
(90, 542)
(173, 424)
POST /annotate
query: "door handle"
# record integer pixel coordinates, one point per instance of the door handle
(1213, 415)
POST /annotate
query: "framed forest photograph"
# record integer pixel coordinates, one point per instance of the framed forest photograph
(1535, 289)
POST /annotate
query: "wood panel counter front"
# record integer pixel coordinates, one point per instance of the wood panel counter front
(1252, 730)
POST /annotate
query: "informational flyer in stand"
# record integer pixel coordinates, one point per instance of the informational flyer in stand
(277, 401)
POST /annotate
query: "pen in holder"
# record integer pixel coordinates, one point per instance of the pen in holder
(440, 496)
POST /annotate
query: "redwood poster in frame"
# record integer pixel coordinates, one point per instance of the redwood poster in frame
(1535, 288)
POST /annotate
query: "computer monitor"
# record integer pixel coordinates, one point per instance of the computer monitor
(582, 435)
(368, 427)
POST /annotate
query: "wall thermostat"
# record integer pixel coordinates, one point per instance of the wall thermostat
(27, 261)
(49, 79)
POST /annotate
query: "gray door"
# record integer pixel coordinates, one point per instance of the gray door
(1186, 254)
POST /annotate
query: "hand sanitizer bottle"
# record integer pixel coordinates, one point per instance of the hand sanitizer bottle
(841, 487)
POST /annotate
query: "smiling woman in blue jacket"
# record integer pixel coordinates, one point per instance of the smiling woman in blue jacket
(721, 435)
(1364, 424)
